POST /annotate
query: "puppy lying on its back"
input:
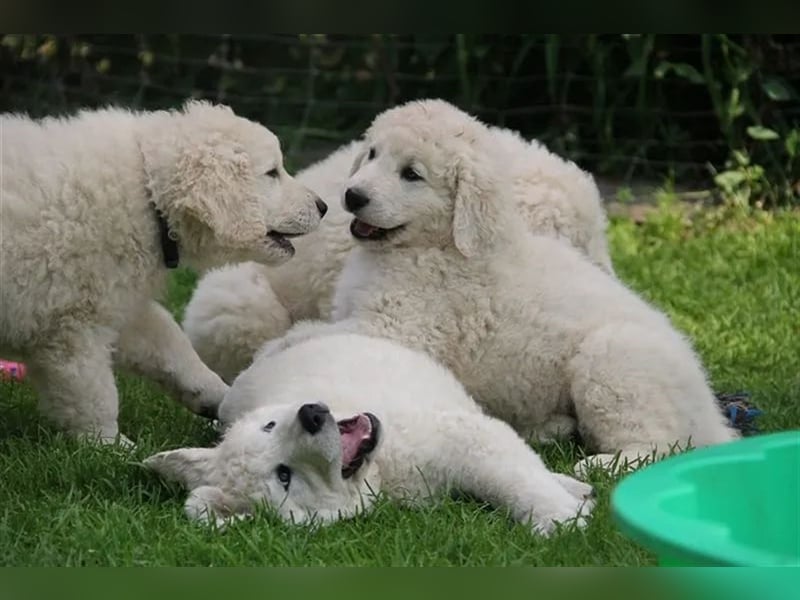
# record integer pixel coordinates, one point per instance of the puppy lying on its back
(316, 431)
(95, 209)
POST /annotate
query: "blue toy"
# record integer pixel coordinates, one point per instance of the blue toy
(740, 412)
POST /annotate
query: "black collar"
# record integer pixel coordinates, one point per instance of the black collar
(169, 246)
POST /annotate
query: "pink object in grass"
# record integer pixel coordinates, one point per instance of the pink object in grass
(12, 370)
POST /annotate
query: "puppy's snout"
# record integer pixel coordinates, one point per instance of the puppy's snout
(354, 200)
(321, 206)
(312, 416)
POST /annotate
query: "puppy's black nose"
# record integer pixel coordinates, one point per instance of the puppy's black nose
(353, 200)
(312, 417)
(321, 207)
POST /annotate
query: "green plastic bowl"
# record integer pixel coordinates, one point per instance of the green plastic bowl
(736, 504)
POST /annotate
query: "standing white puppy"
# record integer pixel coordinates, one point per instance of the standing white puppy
(94, 209)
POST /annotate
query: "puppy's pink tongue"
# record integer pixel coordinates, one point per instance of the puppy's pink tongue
(350, 445)
(363, 229)
(353, 432)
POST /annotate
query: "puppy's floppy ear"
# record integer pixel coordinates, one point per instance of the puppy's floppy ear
(362, 152)
(190, 467)
(475, 191)
(212, 181)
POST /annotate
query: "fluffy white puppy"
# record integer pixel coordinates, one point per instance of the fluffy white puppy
(237, 308)
(539, 336)
(318, 430)
(94, 209)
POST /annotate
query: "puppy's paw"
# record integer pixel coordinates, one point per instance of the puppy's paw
(565, 517)
(108, 439)
(586, 465)
(578, 489)
(124, 441)
(613, 464)
(205, 400)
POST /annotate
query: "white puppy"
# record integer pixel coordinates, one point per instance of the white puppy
(318, 430)
(540, 337)
(237, 308)
(94, 208)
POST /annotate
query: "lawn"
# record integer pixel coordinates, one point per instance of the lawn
(733, 287)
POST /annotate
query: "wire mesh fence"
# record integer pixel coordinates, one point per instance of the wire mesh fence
(626, 106)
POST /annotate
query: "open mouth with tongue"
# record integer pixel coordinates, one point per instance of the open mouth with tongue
(281, 240)
(360, 436)
(364, 231)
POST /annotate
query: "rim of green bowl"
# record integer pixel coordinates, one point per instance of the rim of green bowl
(636, 507)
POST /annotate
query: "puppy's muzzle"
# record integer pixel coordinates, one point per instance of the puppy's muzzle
(321, 206)
(355, 200)
(312, 417)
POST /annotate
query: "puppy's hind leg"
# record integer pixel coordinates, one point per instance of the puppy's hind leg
(153, 345)
(638, 396)
(484, 457)
(75, 384)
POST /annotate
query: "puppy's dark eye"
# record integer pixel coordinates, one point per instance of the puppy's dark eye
(409, 174)
(268, 427)
(284, 474)
(272, 173)
(371, 154)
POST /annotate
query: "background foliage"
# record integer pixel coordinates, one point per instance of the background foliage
(695, 109)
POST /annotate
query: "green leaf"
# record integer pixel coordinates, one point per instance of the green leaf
(735, 106)
(741, 158)
(684, 70)
(728, 180)
(689, 72)
(778, 89)
(757, 132)
(792, 143)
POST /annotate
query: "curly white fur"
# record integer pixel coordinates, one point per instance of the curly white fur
(237, 308)
(541, 338)
(80, 254)
(433, 439)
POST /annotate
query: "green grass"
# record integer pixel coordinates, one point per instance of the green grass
(734, 288)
